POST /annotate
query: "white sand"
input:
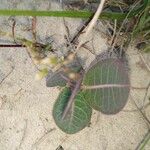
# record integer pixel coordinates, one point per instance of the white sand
(25, 105)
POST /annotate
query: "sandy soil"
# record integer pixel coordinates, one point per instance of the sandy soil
(26, 121)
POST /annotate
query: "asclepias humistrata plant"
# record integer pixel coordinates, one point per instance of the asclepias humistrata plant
(103, 86)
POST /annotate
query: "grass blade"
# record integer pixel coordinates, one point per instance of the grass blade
(73, 13)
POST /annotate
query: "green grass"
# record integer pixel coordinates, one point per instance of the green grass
(71, 14)
(142, 28)
(74, 14)
(139, 25)
(140, 12)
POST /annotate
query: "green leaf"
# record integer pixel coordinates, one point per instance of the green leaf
(55, 78)
(108, 100)
(79, 116)
(75, 14)
(143, 25)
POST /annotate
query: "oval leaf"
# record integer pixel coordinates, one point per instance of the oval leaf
(55, 78)
(108, 100)
(79, 116)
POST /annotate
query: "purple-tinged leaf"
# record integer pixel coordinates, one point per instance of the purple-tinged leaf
(109, 71)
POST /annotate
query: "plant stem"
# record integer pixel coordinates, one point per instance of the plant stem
(91, 24)
(12, 45)
(72, 97)
(20, 45)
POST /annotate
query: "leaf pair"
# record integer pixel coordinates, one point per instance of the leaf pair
(105, 87)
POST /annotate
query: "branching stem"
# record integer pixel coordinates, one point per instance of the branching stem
(72, 97)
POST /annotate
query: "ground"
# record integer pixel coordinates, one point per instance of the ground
(26, 121)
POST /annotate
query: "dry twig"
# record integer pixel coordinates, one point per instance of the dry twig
(7, 76)
(42, 138)
(91, 24)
